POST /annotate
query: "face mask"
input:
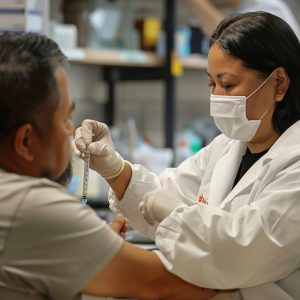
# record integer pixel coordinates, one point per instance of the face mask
(229, 113)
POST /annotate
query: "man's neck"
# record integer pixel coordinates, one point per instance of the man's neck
(12, 165)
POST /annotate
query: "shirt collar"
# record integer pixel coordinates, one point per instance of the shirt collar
(242, 6)
(2, 170)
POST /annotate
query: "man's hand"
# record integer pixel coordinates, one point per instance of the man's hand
(119, 225)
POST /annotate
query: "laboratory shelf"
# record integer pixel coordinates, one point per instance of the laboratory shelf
(128, 65)
(129, 58)
(196, 62)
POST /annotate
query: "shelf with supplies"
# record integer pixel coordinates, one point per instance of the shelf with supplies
(139, 65)
(196, 62)
(130, 58)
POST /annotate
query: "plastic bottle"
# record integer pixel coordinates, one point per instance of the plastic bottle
(188, 144)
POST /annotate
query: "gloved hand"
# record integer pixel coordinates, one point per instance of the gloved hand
(158, 204)
(104, 159)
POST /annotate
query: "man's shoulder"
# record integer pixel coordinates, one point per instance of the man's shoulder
(18, 187)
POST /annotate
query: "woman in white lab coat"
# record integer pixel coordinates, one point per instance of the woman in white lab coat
(245, 230)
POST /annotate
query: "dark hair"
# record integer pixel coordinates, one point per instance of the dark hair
(27, 80)
(264, 42)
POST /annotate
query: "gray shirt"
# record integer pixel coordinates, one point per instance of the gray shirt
(51, 246)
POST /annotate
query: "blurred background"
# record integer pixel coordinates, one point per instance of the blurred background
(137, 65)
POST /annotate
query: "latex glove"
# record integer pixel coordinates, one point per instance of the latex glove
(158, 204)
(104, 159)
(119, 225)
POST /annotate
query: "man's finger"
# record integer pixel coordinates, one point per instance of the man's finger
(124, 228)
(117, 224)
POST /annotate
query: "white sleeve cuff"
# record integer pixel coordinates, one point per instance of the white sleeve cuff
(142, 182)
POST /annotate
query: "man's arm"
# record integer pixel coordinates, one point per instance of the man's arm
(208, 16)
(134, 272)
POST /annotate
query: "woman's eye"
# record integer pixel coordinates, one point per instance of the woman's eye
(226, 87)
(211, 84)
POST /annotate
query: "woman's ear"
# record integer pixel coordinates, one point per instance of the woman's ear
(283, 83)
(24, 142)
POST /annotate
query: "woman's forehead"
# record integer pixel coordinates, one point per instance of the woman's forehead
(220, 62)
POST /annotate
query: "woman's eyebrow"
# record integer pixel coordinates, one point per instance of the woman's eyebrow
(221, 75)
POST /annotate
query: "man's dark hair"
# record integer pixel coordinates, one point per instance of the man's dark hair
(264, 42)
(27, 80)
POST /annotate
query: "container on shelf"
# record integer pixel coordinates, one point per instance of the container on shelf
(24, 16)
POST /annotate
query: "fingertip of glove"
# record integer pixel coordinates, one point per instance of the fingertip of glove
(92, 148)
(77, 152)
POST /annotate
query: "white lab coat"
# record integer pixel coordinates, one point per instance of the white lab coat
(275, 7)
(248, 237)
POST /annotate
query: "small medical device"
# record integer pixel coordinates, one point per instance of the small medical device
(86, 177)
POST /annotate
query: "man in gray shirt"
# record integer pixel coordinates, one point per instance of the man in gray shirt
(51, 246)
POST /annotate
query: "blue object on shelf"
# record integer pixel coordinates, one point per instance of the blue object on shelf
(183, 41)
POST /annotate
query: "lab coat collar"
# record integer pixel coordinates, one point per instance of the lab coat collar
(287, 143)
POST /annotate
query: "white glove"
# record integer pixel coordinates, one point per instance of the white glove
(104, 159)
(158, 204)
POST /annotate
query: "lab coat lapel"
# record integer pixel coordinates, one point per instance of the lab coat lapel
(247, 180)
(225, 172)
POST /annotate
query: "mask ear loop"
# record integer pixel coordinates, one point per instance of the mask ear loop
(268, 110)
(261, 85)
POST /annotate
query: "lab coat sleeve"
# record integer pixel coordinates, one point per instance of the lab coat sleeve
(260, 243)
(184, 182)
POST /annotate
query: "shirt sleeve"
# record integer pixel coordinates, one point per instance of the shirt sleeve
(259, 243)
(183, 182)
(56, 245)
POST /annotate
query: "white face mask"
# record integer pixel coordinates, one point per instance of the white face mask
(229, 113)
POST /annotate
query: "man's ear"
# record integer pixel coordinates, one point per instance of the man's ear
(24, 142)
